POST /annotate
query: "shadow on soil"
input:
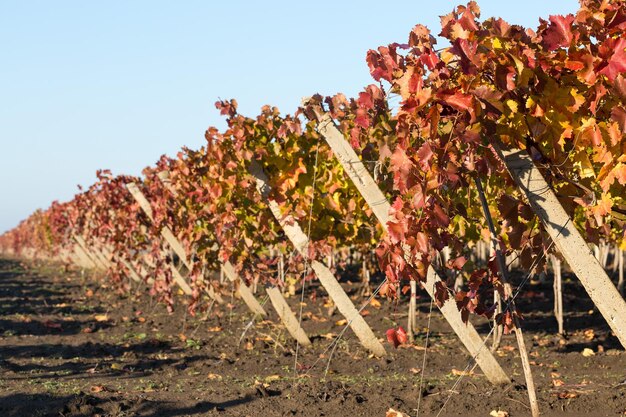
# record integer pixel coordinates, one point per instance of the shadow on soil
(47, 405)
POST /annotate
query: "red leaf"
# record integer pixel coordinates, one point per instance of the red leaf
(401, 334)
(458, 101)
(365, 101)
(424, 154)
(421, 242)
(559, 33)
(397, 230)
(383, 62)
(457, 263)
(397, 336)
(440, 216)
(620, 86)
(441, 293)
(392, 337)
(362, 118)
(615, 58)
(401, 166)
(419, 199)
(618, 114)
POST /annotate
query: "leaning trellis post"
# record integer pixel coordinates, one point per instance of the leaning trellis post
(276, 298)
(166, 232)
(84, 259)
(244, 291)
(167, 235)
(379, 204)
(132, 272)
(89, 251)
(327, 279)
(103, 256)
(286, 316)
(227, 268)
(568, 240)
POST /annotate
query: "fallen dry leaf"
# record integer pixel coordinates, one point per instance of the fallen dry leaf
(456, 372)
(558, 382)
(587, 352)
(265, 338)
(375, 303)
(101, 317)
(214, 377)
(393, 413)
(415, 347)
(341, 322)
(567, 394)
(499, 413)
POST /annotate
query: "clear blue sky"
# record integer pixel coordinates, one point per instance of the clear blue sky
(87, 85)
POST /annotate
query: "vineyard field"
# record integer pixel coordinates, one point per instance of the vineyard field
(143, 361)
(448, 241)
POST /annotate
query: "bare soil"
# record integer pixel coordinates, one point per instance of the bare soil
(71, 347)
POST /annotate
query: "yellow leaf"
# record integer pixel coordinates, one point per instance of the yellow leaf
(579, 99)
(447, 56)
(512, 104)
(581, 161)
(375, 303)
(456, 372)
(588, 352)
(101, 317)
(393, 413)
